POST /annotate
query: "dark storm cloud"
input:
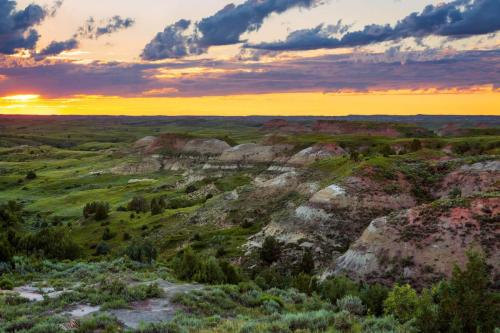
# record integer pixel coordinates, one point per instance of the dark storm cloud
(456, 19)
(223, 28)
(55, 48)
(172, 43)
(92, 30)
(17, 26)
(394, 70)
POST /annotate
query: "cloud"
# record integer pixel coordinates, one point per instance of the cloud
(456, 19)
(55, 7)
(172, 43)
(17, 26)
(223, 28)
(55, 48)
(439, 69)
(89, 30)
(93, 31)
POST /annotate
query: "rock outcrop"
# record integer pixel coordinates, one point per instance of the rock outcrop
(470, 179)
(254, 153)
(316, 153)
(422, 244)
(206, 146)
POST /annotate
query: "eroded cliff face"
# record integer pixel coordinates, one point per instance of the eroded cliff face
(377, 222)
(422, 244)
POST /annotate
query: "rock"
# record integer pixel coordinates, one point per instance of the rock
(253, 153)
(144, 143)
(328, 194)
(206, 146)
(470, 179)
(144, 180)
(316, 153)
(146, 165)
(231, 196)
(288, 179)
(423, 243)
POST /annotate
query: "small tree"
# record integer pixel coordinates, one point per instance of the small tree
(465, 305)
(142, 251)
(157, 206)
(271, 250)
(401, 302)
(138, 204)
(307, 262)
(97, 210)
(415, 145)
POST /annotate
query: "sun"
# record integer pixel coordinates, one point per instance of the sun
(21, 98)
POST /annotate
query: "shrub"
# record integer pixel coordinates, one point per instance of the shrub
(97, 210)
(373, 296)
(107, 234)
(30, 175)
(157, 206)
(304, 283)
(210, 272)
(102, 249)
(401, 302)
(352, 304)
(271, 250)
(337, 287)
(142, 251)
(54, 243)
(6, 284)
(307, 262)
(138, 204)
(465, 304)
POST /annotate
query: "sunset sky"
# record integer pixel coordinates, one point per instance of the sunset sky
(249, 57)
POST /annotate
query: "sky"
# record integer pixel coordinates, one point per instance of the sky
(249, 57)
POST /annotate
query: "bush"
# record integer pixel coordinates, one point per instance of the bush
(373, 296)
(465, 303)
(401, 302)
(271, 250)
(157, 206)
(107, 234)
(6, 284)
(102, 249)
(304, 283)
(138, 204)
(53, 243)
(307, 262)
(209, 271)
(352, 304)
(189, 266)
(337, 287)
(142, 251)
(97, 210)
(30, 175)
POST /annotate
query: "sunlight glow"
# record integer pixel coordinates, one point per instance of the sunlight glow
(21, 98)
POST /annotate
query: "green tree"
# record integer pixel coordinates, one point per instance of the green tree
(142, 251)
(307, 262)
(271, 250)
(210, 272)
(97, 210)
(374, 295)
(415, 145)
(401, 302)
(138, 204)
(426, 313)
(157, 206)
(337, 287)
(465, 303)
